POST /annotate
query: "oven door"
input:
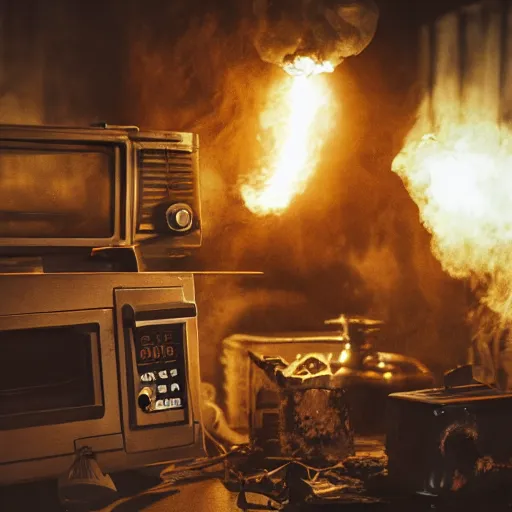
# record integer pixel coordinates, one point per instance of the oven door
(57, 382)
(61, 188)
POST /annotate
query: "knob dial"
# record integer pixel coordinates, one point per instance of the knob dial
(145, 399)
(180, 217)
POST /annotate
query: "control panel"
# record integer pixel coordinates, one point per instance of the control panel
(157, 354)
(161, 367)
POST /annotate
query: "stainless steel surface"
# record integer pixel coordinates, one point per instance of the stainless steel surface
(98, 133)
(30, 293)
(116, 127)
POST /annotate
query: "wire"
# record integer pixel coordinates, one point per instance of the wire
(217, 444)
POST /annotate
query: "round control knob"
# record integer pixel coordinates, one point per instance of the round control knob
(183, 218)
(145, 399)
(180, 217)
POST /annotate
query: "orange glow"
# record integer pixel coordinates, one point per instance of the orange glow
(344, 356)
(388, 375)
(461, 179)
(294, 127)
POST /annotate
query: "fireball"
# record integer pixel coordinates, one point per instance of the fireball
(461, 179)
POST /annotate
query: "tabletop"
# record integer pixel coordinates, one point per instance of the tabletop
(212, 496)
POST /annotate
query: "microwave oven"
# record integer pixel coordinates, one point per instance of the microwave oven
(98, 187)
(103, 361)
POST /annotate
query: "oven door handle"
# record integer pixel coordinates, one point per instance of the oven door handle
(154, 315)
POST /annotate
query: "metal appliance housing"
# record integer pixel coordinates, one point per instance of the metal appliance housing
(52, 175)
(442, 441)
(42, 444)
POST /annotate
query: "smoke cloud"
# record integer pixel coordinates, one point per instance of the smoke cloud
(352, 242)
(326, 31)
(460, 179)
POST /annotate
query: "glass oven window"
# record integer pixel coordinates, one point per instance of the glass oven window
(57, 191)
(50, 375)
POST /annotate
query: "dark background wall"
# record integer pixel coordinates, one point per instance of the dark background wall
(352, 243)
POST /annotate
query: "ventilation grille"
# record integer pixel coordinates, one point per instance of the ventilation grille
(166, 176)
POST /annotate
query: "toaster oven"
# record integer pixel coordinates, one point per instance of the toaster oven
(104, 361)
(97, 187)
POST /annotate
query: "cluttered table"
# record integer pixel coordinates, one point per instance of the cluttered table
(214, 490)
(212, 495)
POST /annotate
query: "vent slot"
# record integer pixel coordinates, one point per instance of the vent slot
(166, 176)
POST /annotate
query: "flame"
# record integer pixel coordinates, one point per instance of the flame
(461, 179)
(306, 66)
(294, 126)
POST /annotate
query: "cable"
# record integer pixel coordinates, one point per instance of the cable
(217, 444)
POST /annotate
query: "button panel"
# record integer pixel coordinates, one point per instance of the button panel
(160, 357)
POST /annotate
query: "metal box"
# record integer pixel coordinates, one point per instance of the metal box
(442, 440)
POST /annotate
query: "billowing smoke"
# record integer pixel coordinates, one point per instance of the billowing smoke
(460, 179)
(456, 166)
(327, 31)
